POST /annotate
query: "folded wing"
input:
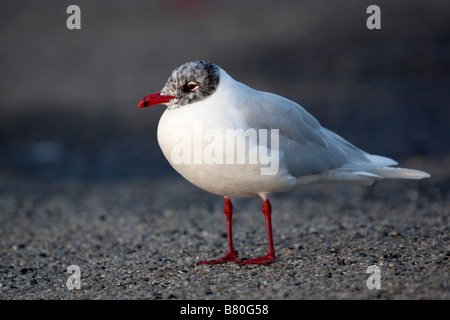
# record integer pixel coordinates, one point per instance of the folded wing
(311, 149)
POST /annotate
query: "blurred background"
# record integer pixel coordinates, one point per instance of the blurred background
(68, 106)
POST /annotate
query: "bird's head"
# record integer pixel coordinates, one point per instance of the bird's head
(190, 82)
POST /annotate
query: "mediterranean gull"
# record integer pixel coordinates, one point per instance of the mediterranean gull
(237, 142)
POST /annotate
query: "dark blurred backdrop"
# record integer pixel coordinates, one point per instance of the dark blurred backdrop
(68, 103)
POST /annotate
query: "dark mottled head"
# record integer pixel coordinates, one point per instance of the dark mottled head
(191, 82)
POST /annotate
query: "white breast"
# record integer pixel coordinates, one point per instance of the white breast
(192, 136)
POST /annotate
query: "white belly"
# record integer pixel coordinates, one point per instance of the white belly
(196, 142)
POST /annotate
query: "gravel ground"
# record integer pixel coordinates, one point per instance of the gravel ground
(140, 239)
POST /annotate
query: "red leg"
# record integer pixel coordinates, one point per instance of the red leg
(231, 255)
(270, 256)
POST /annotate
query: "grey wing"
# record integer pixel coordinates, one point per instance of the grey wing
(308, 147)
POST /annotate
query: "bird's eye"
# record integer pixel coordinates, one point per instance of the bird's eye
(191, 86)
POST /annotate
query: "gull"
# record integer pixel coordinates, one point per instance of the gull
(237, 142)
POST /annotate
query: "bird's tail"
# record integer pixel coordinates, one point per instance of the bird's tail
(367, 177)
(374, 168)
(379, 167)
(399, 173)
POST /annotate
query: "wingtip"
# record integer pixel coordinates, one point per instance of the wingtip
(401, 173)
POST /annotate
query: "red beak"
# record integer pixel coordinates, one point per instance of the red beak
(153, 99)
